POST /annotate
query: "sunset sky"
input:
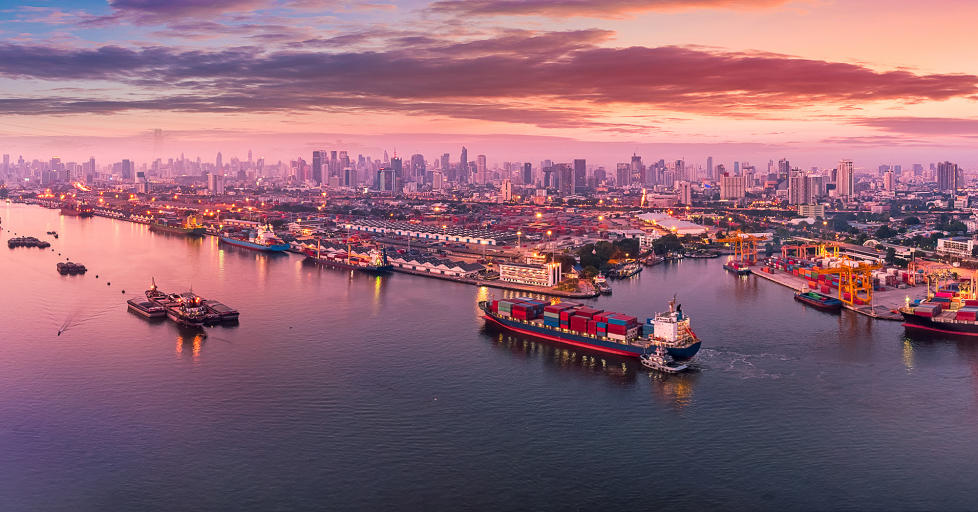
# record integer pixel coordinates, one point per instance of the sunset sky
(812, 80)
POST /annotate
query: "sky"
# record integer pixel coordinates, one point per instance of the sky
(748, 80)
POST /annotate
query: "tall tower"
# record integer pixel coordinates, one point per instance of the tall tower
(580, 176)
(845, 184)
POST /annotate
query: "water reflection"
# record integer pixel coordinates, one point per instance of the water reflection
(555, 355)
(675, 390)
(190, 344)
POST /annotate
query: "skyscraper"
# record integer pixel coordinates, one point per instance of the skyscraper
(947, 177)
(463, 166)
(527, 173)
(845, 183)
(580, 176)
(709, 167)
(481, 170)
(220, 162)
(318, 158)
(127, 171)
(889, 182)
(418, 167)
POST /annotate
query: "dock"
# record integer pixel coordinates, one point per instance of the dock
(884, 303)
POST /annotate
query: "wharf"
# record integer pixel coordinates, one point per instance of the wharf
(505, 286)
(883, 306)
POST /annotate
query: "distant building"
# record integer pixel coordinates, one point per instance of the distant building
(845, 185)
(506, 191)
(959, 247)
(811, 210)
(527, 174)
(732, 187)
(535, 275)
(947, 177)
(580, 176)
(215, 184)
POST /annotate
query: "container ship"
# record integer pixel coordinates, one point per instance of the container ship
(945, 312)
(190, 227)
(819, 300)
(370, 260)
(264, 240)
(603, 331)
(77, 210)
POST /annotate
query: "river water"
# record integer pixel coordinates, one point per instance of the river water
(343, 391)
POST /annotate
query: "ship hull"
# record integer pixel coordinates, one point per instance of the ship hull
(372, 269)
(608, 347)
(912, 321)
(175, 230)
(833, 305)
(253, 246)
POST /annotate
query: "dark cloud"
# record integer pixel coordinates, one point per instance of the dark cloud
(588, 8)
(551, 79)
(166, 10)
(922, 125)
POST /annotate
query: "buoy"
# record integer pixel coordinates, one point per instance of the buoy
(108, 284)
(123, 291)
(96, 276)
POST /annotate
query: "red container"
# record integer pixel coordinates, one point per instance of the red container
(966, 315)
(826, 289)
(971, 302)
(617, 329)
(564, 315)
(592, 327)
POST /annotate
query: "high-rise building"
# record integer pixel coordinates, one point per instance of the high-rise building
(580, 176)
(127, 171)
(507, 191)
(215, 184)
(845, 185)
(732, 187)
(398, 167)
(318, 159)
(387, 180)
(623, 174)
(418, 167)
(685, 190)
(565, 179)
(219, 162)
(889, 181)
(947, 177)
(480, 170)
(463, 166)
(737, 168)
(446, 163)
(709, 167)
(527, 174)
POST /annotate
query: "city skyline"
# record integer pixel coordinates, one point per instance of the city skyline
(285, 77)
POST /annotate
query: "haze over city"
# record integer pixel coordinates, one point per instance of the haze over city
(496, 255)
(739, 80)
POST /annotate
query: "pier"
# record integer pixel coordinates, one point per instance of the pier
(882, 307)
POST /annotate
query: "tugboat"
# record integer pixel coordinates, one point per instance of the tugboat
(189, 310)
(264, 240)
(659, 360)
(625, 271)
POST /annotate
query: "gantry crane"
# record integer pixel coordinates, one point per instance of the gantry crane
(745, 246)
(825, 249)
(855, 278)
(936, 274)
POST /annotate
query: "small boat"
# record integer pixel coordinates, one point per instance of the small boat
(146, 308)
(659, 361)
(819, 300)
(601, 283)
(66, 268)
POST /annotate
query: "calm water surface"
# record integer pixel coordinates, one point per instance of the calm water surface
(344, 391)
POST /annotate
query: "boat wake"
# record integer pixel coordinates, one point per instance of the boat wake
(81, 317)
(747, 366)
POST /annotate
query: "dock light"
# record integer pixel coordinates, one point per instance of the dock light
(729, 219)
(539, 215)
(600, 217)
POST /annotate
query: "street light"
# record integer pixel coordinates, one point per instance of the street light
(539, 215)
(519, 235)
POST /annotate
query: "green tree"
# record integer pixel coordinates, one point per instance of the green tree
(885, 232)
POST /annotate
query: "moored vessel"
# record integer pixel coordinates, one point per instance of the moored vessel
(959, 318)
(263, 240)
(819, 300)
(191, 226)
(373, 260)
(76, 209)
(603, 331)
(601, 283)
(146, 308)
(737, 267)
